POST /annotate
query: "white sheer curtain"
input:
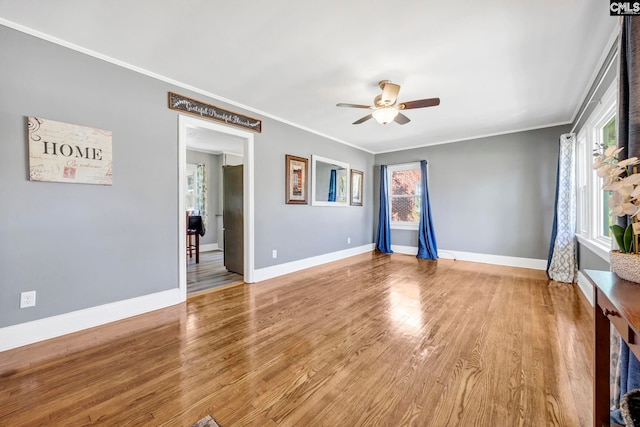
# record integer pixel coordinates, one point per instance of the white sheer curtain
(201, 201)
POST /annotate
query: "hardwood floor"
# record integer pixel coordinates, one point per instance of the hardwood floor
(209, 273)
(372, 340)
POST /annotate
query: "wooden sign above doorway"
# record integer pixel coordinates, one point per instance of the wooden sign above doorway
(208, 111)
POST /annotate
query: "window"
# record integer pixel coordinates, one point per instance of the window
(593, 219)
(607, 136)
(582, 185)
(404, 195)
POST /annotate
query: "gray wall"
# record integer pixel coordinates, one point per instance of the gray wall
(302, 231)
(589, 260)
(605, 77)
(212, 167)
(490, 195)
(81, 246)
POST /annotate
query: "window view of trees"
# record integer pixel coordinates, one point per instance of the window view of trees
(405, 195)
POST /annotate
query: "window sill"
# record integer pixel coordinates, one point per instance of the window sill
(404, 226)
(596, 247)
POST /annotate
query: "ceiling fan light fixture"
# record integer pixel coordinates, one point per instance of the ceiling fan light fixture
(386, 107)
(385, 115)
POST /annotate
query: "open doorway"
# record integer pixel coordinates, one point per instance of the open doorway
(213, 147)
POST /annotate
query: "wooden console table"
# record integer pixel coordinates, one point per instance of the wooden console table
(617, 302)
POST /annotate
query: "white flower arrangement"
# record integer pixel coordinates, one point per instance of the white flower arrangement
(625, 187)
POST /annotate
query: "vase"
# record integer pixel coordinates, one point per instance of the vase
(626, 266)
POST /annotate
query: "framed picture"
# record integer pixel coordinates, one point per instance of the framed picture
(64, 152)
(297, 172)
(356, 187)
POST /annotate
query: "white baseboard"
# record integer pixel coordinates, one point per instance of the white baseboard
(510, 261)
(406, 250)
(55, 326)
(209, 247)
(265, 273)
(586, 287)
(532, 263)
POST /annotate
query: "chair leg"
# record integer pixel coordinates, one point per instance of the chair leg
(197, 248)
(190, 245)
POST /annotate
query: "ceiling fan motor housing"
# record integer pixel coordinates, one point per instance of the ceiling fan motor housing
(389, 94)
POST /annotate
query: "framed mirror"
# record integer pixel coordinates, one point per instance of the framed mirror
(329, 182)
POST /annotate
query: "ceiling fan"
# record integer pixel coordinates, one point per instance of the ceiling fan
(385, 107)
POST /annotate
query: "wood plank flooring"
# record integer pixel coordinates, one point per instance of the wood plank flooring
(372, 340)
(209, 273)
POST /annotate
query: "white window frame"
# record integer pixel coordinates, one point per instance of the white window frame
(400, 225)
(608, 114)
(588, 184)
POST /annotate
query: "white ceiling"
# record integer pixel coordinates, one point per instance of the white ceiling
(497, 65)
(210, 141)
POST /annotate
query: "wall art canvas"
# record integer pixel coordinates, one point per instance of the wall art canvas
(63, 152)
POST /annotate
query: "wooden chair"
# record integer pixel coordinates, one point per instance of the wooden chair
(192, 230)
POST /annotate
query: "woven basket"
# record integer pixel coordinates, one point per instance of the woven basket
(627, 266)
(630, 406)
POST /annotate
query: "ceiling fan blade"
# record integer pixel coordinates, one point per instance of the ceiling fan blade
(362, 120)
(342, 104)
(401, 119)
(390, 93)
(420, 103)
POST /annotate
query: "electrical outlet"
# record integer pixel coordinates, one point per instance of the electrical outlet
(274, 253)
(348, 240)
(28, 299)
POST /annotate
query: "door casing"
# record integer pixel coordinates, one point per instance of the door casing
(185, 122)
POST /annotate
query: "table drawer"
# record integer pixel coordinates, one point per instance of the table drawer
(629, 335)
